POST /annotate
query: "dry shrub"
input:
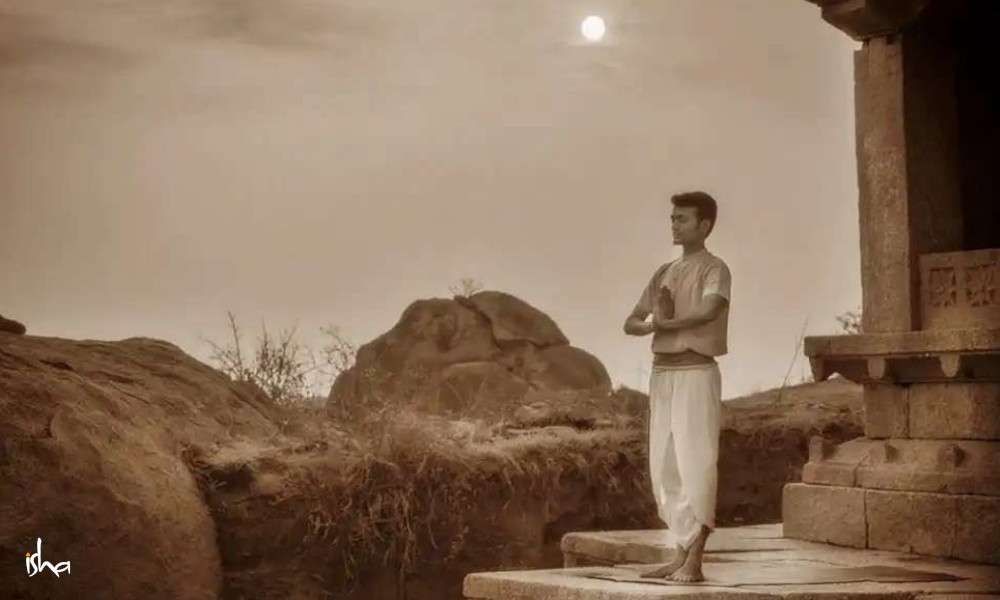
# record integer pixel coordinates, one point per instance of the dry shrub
(418, 485)
(286, 370)
(411, 491)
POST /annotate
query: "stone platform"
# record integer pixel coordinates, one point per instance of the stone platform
(749, 562)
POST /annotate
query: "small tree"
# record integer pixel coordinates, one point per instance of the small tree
(466, 286)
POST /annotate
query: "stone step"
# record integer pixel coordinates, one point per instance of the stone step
(753, 562)
(650, 545)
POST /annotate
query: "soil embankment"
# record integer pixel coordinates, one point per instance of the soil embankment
(158, 477)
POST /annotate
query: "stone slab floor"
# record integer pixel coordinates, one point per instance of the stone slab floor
(746, 562)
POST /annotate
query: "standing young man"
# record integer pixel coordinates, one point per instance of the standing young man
(689, 301)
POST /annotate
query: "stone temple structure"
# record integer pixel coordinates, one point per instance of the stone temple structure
(926, 476)
(882, 515)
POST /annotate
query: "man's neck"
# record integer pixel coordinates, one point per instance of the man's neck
(690, 249)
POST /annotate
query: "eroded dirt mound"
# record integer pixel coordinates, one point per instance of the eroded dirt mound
(416, 508)
(764, 441)
(475, 356)
(423, 500)
(92, 440)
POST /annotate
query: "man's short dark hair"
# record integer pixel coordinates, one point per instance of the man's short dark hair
(705, 206)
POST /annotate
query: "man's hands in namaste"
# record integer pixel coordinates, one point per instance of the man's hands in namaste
(664, 309)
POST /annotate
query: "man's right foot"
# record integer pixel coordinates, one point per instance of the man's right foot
(690, 571)
(676, 562)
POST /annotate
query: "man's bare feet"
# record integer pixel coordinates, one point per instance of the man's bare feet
(690, 571)
(677, 559)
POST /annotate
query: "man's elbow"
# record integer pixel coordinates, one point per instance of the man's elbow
(706, 318)
(715, 309)
(631, 326)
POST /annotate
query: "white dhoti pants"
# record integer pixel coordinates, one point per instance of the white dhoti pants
(685, 418)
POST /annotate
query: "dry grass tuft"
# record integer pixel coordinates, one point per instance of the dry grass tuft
(415, 487)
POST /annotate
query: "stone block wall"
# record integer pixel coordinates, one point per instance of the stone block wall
(924, 479)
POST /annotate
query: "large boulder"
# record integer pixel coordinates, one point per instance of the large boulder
(476, 355)
(93, 446)
(512, 319)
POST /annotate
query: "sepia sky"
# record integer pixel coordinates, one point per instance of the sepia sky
(330, 161)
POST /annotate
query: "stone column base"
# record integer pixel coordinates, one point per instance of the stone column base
(962, 526)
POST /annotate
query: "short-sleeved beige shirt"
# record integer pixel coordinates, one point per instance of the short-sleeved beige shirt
(689, 280)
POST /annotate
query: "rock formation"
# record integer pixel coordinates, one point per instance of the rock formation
(92, 460)
(472, 355)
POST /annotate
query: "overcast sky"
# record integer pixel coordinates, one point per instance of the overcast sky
(330, 161)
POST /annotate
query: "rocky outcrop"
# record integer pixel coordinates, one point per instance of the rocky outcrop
(92, 461)
(475, 356)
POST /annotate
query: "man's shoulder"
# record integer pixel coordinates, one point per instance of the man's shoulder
(712, 260)
(660, 270)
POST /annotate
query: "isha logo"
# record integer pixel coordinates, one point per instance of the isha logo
(34, 564)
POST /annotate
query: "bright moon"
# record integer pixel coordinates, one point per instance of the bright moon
(592, 28)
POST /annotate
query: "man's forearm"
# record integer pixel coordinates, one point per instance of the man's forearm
(699, 318)
(633, 326)
(685, 323)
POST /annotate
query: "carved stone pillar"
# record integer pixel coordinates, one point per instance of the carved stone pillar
(923, 479)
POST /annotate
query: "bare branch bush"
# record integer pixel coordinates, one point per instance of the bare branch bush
(280, 366)
(229, 358)
(288, 371)
(335, 356)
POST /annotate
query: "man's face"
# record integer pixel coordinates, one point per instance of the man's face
(686, 227)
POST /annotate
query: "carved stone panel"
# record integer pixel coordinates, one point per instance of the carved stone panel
(960, 289)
